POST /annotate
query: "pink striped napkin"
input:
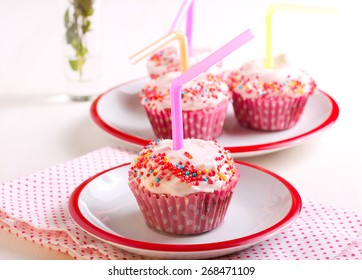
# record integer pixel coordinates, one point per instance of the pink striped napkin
(35, 208)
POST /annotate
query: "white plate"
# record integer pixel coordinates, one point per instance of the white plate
(262, 205)
(119, 112)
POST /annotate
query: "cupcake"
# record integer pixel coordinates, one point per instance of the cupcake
(204, 104)
(269, 99)
(168, 60)
(184, 191)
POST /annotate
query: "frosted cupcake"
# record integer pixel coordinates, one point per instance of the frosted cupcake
(183, 191)
(168, 60)
(204, 104)
(269, 99)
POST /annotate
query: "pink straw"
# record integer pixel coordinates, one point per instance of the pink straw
(187, 6)
(189, 25)
(177, 83)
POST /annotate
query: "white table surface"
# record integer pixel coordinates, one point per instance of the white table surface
(39, 129)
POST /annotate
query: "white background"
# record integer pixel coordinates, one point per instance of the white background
(38, 129)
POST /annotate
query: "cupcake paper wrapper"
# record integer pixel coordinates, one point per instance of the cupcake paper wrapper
(270, 114)
(184, 215)
(203, 124)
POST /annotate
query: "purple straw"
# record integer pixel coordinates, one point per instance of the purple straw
(177, 83)
(189, 25)
(187, 6)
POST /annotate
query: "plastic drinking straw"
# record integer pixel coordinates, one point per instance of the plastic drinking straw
(189, 25)
(180, 37)
(269, 61)
(187, 6)
(177, 83)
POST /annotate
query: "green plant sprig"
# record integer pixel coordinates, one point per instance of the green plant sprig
(77, 24)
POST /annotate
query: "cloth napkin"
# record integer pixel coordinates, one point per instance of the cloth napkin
(35, 208)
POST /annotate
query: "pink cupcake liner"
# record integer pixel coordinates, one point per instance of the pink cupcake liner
(203, 124)
(184, 215)
(270, 113)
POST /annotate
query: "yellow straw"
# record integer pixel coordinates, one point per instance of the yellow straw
(269, 61)
(180, 37)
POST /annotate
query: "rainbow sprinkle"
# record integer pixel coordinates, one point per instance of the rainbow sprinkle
(167, 59)
(209, 88)
(253, 86)
(153, 164)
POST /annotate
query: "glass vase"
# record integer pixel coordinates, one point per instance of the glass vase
(82, 39)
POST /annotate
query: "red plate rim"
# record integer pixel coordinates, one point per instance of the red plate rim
(78, 217)
(233, 149)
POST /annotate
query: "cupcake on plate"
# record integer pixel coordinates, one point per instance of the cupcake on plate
(204, 105)
(184, 191)
(168, 60)
(269, 99)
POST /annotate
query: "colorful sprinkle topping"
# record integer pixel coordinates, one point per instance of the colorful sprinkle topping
(200, 91)
(166, 60)
(253, 86)
(152, 162)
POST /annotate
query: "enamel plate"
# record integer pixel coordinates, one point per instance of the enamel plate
(119, 112)
(262, 205)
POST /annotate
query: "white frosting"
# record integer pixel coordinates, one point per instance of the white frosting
(168, 60)
(205, 91)
(251, 79)
(204, 157)
(164, 61)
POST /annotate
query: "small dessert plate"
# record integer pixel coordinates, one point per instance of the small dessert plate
(119, 112)
(262, 205)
